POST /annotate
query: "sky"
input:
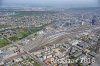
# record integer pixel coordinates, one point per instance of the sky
(52, 3)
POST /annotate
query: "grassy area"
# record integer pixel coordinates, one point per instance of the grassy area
(28, 13)
(3, 42)
(20, 34)
(32, 13)
(24, 32)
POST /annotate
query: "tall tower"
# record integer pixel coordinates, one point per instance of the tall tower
(82, 20)
(93, 20)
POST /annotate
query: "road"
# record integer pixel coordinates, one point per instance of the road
(42, 40)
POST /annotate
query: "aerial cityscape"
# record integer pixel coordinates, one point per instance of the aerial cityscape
(49, 33)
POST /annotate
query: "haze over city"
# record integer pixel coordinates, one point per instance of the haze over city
(49, 32)
(50, 3)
